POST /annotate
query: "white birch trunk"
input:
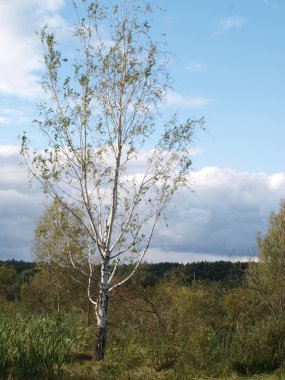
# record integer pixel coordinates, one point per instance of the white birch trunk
(102, 306)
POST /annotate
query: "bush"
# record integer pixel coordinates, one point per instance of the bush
(260, 348)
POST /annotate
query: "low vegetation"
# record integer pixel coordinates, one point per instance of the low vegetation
(163, 325)
(35, 346)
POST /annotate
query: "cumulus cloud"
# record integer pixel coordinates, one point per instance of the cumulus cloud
(9, 150)
(20, 206)
(218, 221)
(20, 52)
(228, 23)
(221, 218)
(176, 99)
(18, 214)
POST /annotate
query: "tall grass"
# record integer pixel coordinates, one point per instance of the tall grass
(35, 347)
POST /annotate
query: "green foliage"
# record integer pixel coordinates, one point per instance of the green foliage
(8, 283)
(20, 266)
(35, 347)
(259, 348)
(169, 328)
(160, 327)
(267, 277)
(59, 236)
(166, 331)
(193, 332)
(228, 274)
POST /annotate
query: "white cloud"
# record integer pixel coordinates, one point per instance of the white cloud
(156, 255)
(219, 220)
(18, 214)
(15, 116)
(4, 120)
(228, 23)
(196, 67)
(20, 51)
(9, 150)
(176, 99)
(277, 181)
(20, 206)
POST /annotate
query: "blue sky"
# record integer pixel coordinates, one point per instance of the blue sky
(239, 48)
(228, 65)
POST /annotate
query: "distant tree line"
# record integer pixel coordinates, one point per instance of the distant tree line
(149, 274)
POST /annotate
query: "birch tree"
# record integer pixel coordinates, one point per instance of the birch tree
(109, 160)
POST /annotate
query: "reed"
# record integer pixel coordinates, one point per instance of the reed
(33, 347)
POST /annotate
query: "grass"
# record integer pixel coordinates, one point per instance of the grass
(35, 347)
